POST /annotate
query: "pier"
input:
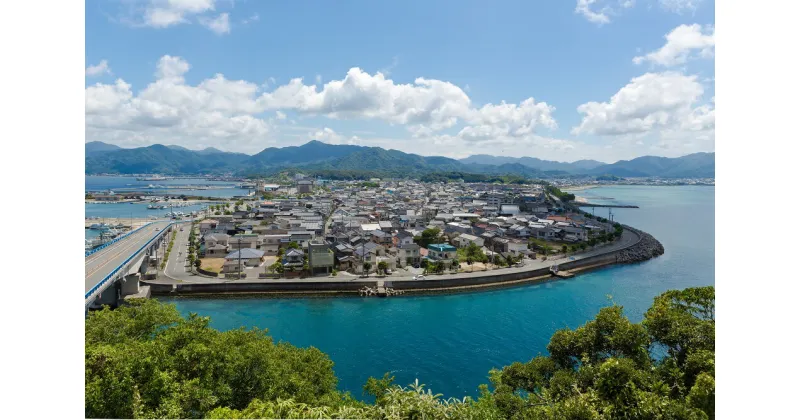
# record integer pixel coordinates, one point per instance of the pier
(616, 206)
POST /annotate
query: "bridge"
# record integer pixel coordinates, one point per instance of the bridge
(114, 270)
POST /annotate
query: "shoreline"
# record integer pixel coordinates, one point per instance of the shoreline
(644, 248)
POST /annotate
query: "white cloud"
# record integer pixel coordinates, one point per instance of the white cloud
(681, 43)
(680, 6)
(432, 104)
(651, 103)
(164, 13)
(219, 25)
(251, 19)
(98, 69)
(217, 112)
(231, 111)
(584, 7)
(327, 135)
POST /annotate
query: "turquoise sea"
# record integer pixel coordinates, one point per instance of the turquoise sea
(450, 342)
(127, 183)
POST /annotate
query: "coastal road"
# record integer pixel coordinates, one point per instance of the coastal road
(177, 266)
(101, 263)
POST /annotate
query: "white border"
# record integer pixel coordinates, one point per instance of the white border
(756, 234)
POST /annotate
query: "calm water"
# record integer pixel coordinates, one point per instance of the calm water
(450, 342)
(127, 183)
(132, 210)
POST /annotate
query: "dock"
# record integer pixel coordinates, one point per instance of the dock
(616, 206)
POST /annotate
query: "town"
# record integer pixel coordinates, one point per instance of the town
(318, 228)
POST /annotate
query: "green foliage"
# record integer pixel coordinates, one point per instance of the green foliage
(427, 237)
(383, 266)
(146, 361)
(561, 195)
(367, 265)
(293, 245)
(604, 369)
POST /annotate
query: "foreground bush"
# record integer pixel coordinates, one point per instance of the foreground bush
(146, 361)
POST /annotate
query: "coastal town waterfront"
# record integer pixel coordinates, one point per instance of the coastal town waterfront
(454, 339)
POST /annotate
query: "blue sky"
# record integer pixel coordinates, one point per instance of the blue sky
(445, 69)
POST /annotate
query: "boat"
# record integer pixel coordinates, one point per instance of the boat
(99, 226)
(152, 207)
(152, 178)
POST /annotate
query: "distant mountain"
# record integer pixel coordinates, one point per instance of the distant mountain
(535, 163)
(176, 147)
(319, 156)
(94, 147)
(163, 160)
(696, 165)
(209, 150)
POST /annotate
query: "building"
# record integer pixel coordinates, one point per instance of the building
(465, 239)
(320, 258)
(107, 197)
(305, 186)
(293, 259)
(441, 252)
(248, 257)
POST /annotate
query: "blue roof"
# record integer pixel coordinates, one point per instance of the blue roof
(441, 247)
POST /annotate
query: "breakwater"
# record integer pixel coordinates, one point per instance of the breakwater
(646, 248)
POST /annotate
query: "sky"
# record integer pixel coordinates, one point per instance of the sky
(559, 80)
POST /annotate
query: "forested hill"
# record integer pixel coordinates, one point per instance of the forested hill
(315, 155)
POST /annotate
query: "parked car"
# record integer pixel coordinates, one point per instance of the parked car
(419, 277)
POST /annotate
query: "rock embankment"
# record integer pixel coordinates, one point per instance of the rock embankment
(648, 247)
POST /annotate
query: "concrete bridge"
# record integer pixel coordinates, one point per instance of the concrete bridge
(114, 271)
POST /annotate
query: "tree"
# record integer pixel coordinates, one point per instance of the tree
(367, 265)
(602, 369)
(592, 242)
(383, 266)
(582, 246)
(293, 245)
(197, 263)
(564, 249)
(427, 237)
(469, 262)
(425, 265)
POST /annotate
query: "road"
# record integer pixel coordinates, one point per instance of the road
(101, 263)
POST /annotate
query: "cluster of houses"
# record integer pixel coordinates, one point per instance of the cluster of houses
(350, 223)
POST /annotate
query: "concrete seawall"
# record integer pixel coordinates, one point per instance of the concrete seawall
(643, 248)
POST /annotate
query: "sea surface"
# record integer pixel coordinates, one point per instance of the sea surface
(127, 183)
(450, 342)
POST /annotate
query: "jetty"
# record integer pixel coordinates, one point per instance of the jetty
(617, 206)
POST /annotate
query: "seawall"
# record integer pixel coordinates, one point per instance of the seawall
(643, 248)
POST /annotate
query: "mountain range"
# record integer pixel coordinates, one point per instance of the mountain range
(318, 156)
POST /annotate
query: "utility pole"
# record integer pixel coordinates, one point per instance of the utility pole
(240, 257)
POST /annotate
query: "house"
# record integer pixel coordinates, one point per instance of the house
(320, 258)
(293, 259)
(517, 247)
(270, 244)
(241, 241)
(305, 186)
(208, 225)
(575, 234)
(248, 257)
(381, 237)
(408, 254)
(214, 239)
(404, 238)
(441, 251)
(385, 226)
(465, 239)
